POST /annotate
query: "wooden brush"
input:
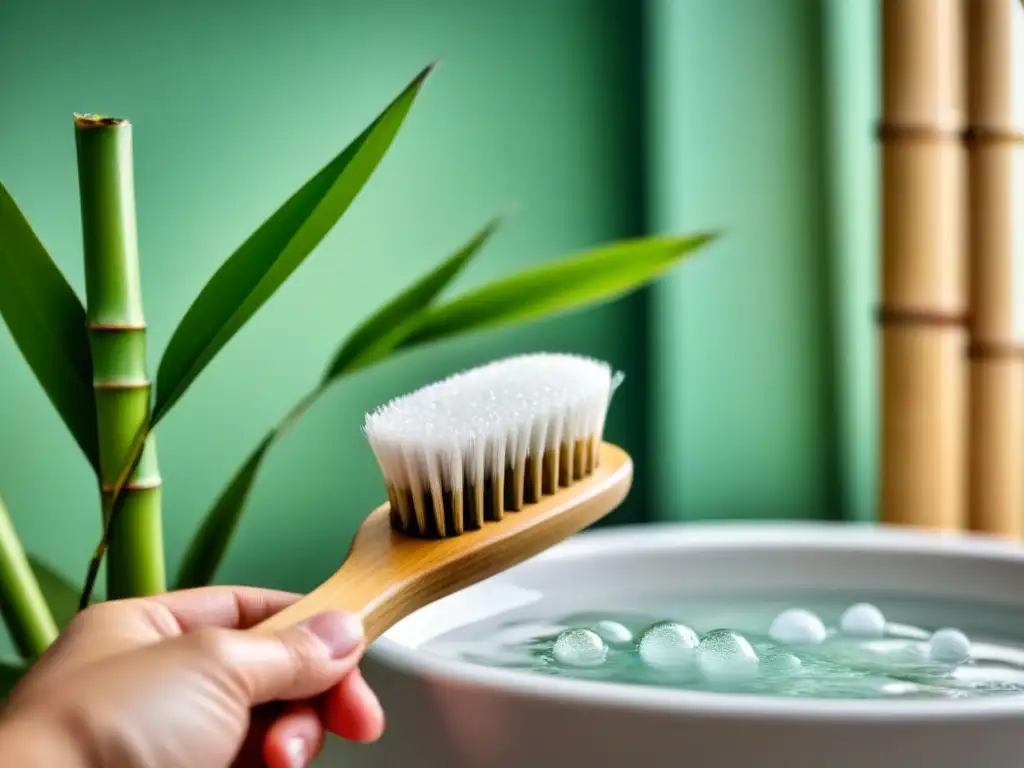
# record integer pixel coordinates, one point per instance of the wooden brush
(483, 470)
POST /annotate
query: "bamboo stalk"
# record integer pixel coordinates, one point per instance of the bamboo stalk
(117, 337)
(923, 299)
(996, 413)
(22, 604)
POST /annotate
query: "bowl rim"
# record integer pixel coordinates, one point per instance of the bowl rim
(768, 535)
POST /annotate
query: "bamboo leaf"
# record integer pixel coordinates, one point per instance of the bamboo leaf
(210, 542)
(261, 265)
(369, 343)
(61, 595)
(381, 333)
(588, 278)
(591, 277)
(10, 673)
(47, 321)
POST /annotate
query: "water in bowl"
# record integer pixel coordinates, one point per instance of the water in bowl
(803, 646)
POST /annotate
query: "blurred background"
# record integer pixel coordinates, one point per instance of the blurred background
(750, 374)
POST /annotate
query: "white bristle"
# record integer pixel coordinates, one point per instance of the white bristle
(479, 423)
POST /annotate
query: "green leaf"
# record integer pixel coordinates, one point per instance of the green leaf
(10, 673)
(591, 277)
(47, 321)
(211, 540)
(61, 595)
(261, 265)
(370, 342)
(381, 333)
(588, 278)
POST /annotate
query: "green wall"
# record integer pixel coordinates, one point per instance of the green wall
(536, 105)
(750, 386)
(751, 373)
(741, 353)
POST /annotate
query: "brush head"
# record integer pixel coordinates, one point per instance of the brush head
(471, 447)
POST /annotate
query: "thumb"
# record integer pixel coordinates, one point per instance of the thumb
(299, 662)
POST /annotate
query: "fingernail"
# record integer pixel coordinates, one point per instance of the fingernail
(340, 632)
(296, 751)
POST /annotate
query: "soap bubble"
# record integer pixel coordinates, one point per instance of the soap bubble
(862, 620)
(797, 626)
(896, 666)
(949, 646)
(579, 648)
(613, 633)
(726, 656)
(668, 644)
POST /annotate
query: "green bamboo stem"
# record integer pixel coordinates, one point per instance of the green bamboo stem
(117, 339)
(22, 604)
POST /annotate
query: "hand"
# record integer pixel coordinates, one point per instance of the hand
(172, 681)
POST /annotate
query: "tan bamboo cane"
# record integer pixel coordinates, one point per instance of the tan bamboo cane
(923, 452)
(996, 394)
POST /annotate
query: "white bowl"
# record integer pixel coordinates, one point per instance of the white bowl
(442, 712)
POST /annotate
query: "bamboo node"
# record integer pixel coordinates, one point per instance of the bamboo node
(137, 485)
(909, 132)
(906, 316)
(88, 121)
(992, 134)
(114, 327)
(122, 385)
(995, 350)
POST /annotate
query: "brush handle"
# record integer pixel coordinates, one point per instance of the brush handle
(351, 589)
(388, 575)
(372, 583)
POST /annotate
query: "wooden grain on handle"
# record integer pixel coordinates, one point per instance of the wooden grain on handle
(389, 575)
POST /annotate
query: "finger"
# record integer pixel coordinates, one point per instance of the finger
(251, 751)
(299, 662)
(228, 607)
(295, 738)
(351, 710)
(119, 625)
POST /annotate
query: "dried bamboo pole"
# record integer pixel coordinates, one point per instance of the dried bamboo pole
(923, 296)
(996, 397)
